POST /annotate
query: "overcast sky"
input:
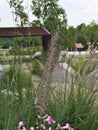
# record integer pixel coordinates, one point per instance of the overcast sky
(78, 11)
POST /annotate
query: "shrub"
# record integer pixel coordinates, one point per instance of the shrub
(36, 68)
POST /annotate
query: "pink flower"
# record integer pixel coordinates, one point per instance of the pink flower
(23, 128)
(49, 128)
(67, 126)
(32, 128)
(21, 124)
(50, 120)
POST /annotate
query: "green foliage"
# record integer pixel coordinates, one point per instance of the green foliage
(38, 64)
(92, 65)
(5, 43)
(16, 101)
(51, 19)
(26, 45)
(75, 103)
(90, 32)
(24, 51)
(80, 38)
(36, 68)
(85, 34)
(20, 16)
(77, 62)
(70, 40)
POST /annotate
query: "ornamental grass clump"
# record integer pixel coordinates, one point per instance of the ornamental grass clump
(16, 101)
(76, 103)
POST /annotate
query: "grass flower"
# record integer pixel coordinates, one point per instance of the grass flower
(50, 120)
(45, 116)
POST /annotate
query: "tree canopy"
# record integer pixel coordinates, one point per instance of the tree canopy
(49, 14)
(91, 32)
(18, 11)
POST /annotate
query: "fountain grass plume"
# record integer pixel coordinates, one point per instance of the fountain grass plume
(45, 88)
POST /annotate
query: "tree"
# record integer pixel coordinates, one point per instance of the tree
(91, 33)
(80, 37)
(20, 16)
(49, 14)
(71, 37)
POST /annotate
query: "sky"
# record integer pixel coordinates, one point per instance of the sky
(78, 11)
